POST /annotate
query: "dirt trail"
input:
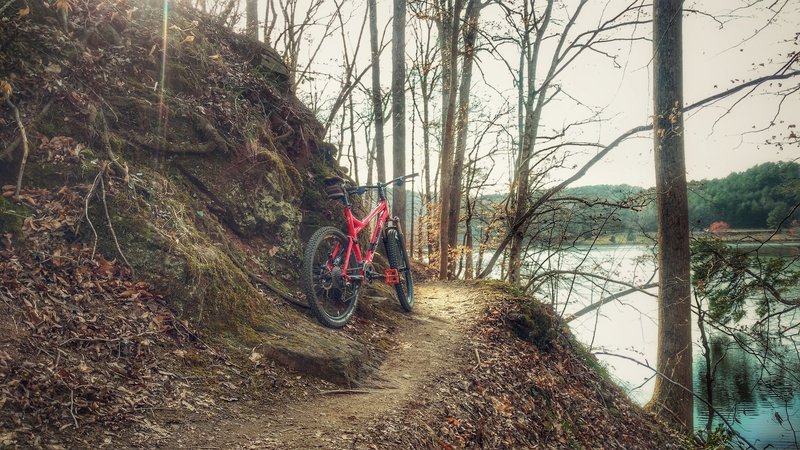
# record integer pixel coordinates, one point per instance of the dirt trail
(432, 343)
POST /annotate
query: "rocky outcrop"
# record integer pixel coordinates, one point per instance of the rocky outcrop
(212, 168)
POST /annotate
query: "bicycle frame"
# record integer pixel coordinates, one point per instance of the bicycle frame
(381, 211)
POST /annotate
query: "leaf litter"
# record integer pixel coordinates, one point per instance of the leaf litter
(89, 354)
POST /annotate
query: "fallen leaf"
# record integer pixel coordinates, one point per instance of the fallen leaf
(24, 11)
(5, 89)
(453, 421)
(63, 5)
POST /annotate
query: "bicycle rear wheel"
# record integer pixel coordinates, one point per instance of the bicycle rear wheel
(331, 297)
(398, 259)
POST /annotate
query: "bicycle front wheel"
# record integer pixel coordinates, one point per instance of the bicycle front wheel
(398, 259)
(330, 295)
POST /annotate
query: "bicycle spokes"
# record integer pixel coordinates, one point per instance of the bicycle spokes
(331, 294)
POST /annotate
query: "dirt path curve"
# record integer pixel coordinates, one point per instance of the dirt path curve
(432, 343)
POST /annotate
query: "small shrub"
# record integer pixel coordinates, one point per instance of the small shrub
(534, 323)
(719, 228)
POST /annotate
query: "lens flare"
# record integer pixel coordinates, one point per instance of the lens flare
(162, 111)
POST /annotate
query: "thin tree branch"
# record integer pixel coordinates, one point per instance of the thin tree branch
(687, 389)
(609, 299)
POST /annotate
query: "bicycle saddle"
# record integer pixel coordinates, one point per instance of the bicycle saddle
(334, 188)
(334, 180)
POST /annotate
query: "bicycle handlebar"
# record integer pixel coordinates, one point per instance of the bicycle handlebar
(400, 180)
(358, 190)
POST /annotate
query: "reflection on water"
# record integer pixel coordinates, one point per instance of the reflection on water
(754, 389)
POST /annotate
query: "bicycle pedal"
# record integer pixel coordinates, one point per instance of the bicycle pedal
(391, 276)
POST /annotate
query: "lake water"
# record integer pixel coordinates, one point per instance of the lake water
(762, 401)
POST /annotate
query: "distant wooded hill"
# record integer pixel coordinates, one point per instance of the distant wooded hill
(759, 197)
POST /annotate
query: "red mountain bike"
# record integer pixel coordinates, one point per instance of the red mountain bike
(334, 267)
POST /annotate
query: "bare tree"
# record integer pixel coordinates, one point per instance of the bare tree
(448, 19)
(783, 74)
(528, 118)
(536, 77)
(349, 79)
(270, 19)
(399, 106)
(453, 190)
(672, 399)
(295, 31)
(377, 95)
(427, 75)
(251, 16)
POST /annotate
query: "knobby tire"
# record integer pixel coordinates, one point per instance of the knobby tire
(332, 302)
(398, 259)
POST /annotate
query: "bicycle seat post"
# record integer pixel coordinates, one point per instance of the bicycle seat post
(347, 203)
(381, 191)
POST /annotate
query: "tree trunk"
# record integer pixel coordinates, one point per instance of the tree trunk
(449, 63)
(672, 397)
(469, 272)
(399, 107)
(471, 16)
(251, 13)
(370, 163)
(412, 220)
(352, 144)
(426, 167)
(340, 143)
(377, 96)
(534, 102)
(270, 18)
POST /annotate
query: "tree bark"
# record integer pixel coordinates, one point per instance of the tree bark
(426, 82)
(270, 19)
(251, 13)
(449, 63)
(469, 271)
(377, 96)
(454, 189)
(674, 300)
(399, 107)
(534, 102)
(352, 145)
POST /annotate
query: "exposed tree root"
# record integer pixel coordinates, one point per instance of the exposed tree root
(5, 155)
(111, 226)
(98, 181)
(86, 209)
(106, 139)
(24, 138)
(214, 141)
(4, 7)
(257, 279)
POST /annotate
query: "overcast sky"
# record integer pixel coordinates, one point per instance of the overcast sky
(747, 44)
(716, 57)
(733, 46)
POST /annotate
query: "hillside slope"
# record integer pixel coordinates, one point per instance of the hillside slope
(168, 172)
(145, 264)
(208, 166)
